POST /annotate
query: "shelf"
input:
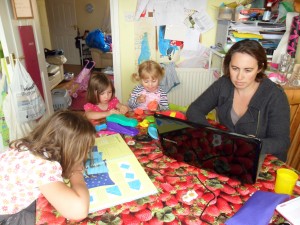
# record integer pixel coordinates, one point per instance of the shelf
(58, 77)
(85, 52)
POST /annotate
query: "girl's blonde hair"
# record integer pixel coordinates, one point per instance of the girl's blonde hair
(149, 69)
(98, 83)
(66, 137)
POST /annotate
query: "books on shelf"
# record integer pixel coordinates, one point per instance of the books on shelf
(272, 35)
(114, 175)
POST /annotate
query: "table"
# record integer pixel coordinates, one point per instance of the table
(218, 197)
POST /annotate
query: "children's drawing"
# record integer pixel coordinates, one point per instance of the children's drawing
(169, 50)
(114, 175)
(145, 50)
(144, 38)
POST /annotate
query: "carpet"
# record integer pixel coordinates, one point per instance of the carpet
(79, 102)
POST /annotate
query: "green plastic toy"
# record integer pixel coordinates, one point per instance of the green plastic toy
(122, 120)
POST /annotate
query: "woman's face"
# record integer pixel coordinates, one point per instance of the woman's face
(243, 70)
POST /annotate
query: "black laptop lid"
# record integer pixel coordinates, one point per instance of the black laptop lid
(229, 154)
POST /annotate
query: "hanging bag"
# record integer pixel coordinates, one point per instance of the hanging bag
(15, 130)
(28, 101)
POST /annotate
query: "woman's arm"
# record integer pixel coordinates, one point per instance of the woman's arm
(205, 103)
(277, 139)
(72, 202)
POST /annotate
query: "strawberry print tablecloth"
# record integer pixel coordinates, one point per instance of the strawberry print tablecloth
(186, 195)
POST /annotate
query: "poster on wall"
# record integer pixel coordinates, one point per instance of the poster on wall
(168, 50)
(145, 38)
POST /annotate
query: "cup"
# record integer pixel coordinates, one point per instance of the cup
(285, 181)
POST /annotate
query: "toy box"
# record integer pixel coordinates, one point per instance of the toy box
(61, 99)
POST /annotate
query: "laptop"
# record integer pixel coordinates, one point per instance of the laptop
(230, 154)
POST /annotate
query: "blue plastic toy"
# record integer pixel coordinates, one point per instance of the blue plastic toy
(100, 127)
(152, 131)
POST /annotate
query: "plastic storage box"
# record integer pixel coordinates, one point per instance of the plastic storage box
(61, 99)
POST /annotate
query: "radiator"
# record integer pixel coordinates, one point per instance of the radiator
(193, 82)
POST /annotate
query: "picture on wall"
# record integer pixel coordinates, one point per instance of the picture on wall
(167, 50)
(144, 40)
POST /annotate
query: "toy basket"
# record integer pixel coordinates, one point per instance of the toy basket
(61, 99)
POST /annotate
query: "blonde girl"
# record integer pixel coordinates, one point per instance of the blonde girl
(101, 99)
(148, 92)
(39, 163)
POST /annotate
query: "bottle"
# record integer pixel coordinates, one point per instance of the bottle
(267, 13)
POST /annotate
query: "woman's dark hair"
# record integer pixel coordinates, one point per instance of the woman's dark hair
(98, 83)
(249, 47)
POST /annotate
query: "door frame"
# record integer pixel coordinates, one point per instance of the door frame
(11, 43)
(114, 15)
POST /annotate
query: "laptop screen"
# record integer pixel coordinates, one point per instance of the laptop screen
(229, 154)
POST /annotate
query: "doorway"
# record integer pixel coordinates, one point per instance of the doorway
(63, 28)
(112, 20)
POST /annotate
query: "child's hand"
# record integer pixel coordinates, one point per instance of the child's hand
(141, 99)
(114, 111)
(124, 109)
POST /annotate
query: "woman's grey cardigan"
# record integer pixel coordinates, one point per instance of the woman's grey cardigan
(267, 117)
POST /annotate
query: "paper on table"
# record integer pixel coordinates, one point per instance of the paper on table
(123, 179)
(290, 210)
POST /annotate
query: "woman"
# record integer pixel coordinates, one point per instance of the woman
(246, 101)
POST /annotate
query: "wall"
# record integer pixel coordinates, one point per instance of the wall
(85, 20)
(44, 23)
(127, 40)
(91, 21)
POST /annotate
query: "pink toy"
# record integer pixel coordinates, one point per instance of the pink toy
(105, 132)
(81, 81)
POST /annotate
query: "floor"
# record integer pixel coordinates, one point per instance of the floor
(69, 68)
(76, 69)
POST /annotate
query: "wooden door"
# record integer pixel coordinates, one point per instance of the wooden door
(63, 28)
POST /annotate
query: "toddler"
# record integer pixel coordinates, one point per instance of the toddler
(148, 95)
(101, 99)
(38, 164)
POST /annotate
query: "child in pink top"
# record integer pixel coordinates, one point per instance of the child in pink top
(38, 164)
(101, 99)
